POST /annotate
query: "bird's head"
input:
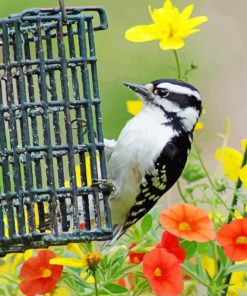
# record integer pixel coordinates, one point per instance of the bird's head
(178, 101)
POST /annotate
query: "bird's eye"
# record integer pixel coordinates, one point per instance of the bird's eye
(162, 92)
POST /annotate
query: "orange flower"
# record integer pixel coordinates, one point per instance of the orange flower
(163, 272)
(135, 257)
(171, 243)
(38, 276)
(233, 238)
(188, 222)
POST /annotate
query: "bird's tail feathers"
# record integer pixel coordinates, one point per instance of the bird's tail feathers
(117, 233)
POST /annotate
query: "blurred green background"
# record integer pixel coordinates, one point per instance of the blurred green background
(219, 50)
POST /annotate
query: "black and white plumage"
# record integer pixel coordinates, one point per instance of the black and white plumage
(152, 149)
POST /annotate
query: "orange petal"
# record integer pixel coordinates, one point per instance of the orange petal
(236, 253)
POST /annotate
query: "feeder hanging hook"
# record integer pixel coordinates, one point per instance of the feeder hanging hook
(63, 10)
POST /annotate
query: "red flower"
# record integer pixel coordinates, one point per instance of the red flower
(188, 222)
(135, 257)
(171, 243)
(233, 238)
(38, 276)
(163, 272)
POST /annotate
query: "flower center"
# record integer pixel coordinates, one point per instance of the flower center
(136, 260)
(241, 240)
(184, 226)
(46, 273)
(93, 259)
(157, 272)
(170, 31)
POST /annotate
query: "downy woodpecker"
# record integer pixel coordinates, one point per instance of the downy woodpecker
(152, 149)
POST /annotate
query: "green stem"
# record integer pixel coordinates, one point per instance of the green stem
(178, 64)
(194, 275)
(181, 192)
(209, 179)
(95, 283)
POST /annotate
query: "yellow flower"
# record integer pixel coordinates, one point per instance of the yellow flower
(169, 26)
(208, 264)
(59, 291)
(232, 161)
(238, 283)
(89, 260)
(93, 259)
(217, 217)
(89, 278)
(134, 107)
(72, 262)
(199, 126)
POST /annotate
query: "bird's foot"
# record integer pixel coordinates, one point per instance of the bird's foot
(104, 185)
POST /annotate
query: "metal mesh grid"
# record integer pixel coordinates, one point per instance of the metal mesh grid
(49, 150)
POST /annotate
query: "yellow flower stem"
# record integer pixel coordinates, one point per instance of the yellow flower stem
(95, 282)
(178, 64)
(181, 192)
(225, 141)
(209, 179)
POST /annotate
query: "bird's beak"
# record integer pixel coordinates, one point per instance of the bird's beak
(139, 89)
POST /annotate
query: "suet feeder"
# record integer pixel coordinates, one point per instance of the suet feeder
(51, 140)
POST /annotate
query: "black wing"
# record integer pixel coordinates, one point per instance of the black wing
(158, 180)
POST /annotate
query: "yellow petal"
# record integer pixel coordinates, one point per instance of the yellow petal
(232, 161)
(18, 258)
(134, 107)
(143, 33)
(171, 43)
(76, 249)
(168, 7)
(237, 214)
(196, 21)
(244, 144)
(60, 291)
(243, 175)
(89, 278)
(208, 264)
(238, 283)
(186, 13)
(71, 262)
(158, 16)
(199, 126)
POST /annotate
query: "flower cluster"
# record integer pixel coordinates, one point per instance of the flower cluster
(162, 266)
(169, 26)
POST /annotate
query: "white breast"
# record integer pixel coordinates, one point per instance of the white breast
(139, 144)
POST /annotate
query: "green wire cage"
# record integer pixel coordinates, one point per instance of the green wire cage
(51, 139)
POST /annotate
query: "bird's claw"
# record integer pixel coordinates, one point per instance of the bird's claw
(104, 185)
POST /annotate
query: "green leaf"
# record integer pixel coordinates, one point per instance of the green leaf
(206, 249)
(146, 223)
(136, 236)
(199, 268)
(237, 267)
(222, 257)
(193, 172)
(114, 289)
(189, 247)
